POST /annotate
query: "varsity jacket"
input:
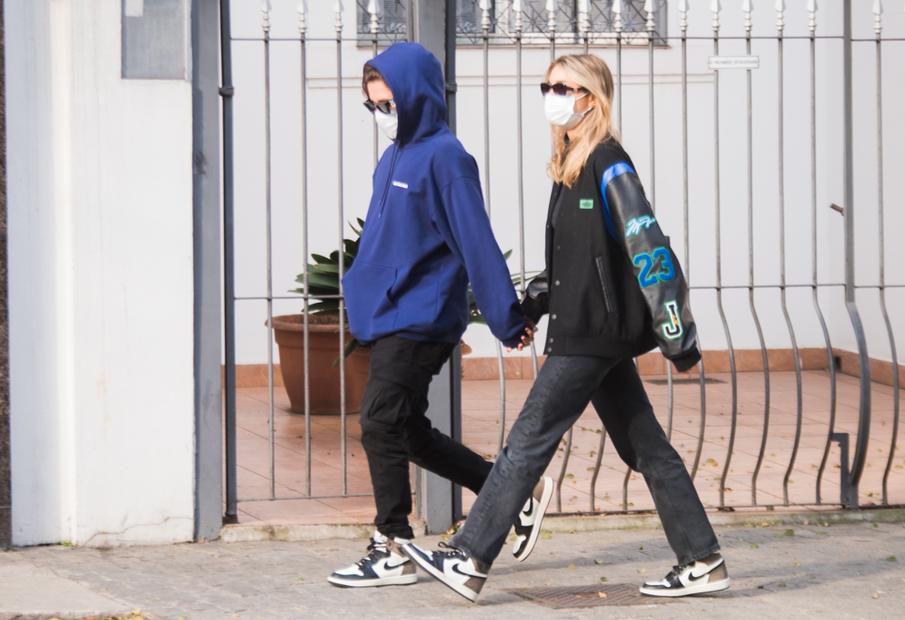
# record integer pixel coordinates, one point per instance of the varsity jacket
(613, 287)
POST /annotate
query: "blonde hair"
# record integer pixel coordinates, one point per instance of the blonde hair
(591, 73)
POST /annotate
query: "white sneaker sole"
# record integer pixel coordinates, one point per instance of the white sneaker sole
(704, 588)
(417, 556)
(400, 580)
(542, 505)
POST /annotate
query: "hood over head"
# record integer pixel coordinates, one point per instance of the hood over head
(416, 79)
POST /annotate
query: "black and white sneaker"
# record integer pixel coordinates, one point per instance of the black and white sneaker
(530, 518)
(454, 567)
(700, 577)
(384, 565)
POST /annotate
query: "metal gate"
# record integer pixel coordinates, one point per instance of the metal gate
(683, 70)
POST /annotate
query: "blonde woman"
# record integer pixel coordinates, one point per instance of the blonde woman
(614, 290)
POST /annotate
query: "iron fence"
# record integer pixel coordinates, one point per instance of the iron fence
(614, 28)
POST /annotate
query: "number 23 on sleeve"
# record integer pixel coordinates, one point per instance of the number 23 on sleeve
(655, 267)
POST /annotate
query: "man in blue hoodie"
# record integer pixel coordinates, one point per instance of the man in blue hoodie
(426, 236)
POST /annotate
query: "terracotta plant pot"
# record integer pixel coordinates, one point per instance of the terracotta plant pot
(323, 365)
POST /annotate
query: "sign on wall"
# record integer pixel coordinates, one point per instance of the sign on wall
(155, 39)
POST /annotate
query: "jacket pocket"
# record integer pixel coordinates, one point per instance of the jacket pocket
(605, 286)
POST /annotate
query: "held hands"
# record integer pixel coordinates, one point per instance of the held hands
(527, 337)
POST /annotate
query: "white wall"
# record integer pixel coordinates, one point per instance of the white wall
(358, 164)
(100, 254)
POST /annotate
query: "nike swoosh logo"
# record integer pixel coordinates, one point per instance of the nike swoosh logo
(710, 569)
(455, 568)
(391, 566)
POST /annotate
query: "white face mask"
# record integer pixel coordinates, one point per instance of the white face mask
(560, 110)
(387, 123)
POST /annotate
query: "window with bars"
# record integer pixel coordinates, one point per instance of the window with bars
(535, 20)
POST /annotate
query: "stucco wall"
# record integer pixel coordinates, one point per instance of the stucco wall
(100, 221)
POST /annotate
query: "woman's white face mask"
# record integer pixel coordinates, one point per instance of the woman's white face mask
(560, 110)
(388, 123)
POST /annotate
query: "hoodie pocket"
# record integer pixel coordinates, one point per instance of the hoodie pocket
(605, 286)
(371, 310)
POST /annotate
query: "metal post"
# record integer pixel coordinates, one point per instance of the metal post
(796, 358)
(433, 24)
(340, 213)
(747, 7)
(860, 450)
(830, 362)
(5, 500)
(718, 238)
(268, 248)
(303, 176)
(881, 250)
(229, 295)
(206, 205)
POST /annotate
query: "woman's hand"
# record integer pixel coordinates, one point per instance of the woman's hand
(527, 337)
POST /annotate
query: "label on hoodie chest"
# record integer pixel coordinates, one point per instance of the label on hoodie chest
(586, 203)
(401, 184)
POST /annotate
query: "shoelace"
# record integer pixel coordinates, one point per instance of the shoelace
(374, 548)
(453, 551)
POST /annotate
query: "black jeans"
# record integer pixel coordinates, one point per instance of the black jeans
(394, 430)
(564, 386)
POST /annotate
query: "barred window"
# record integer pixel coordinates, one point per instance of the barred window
(535, 21)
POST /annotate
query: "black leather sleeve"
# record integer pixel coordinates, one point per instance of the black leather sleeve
(536, 301)
(657, 270)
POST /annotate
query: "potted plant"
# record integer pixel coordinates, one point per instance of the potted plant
(323, 340)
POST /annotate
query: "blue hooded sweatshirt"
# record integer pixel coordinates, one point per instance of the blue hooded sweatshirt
(426, 234)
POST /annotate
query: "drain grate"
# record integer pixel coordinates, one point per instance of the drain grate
(565, 597)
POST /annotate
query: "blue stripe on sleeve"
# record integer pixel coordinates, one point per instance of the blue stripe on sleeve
(608, 175)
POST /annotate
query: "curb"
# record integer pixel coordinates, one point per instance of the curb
(570, 524)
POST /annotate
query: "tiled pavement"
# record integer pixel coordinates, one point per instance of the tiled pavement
(783, 571)
(481, 432)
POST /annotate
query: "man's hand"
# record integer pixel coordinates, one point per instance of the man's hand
(527, 337)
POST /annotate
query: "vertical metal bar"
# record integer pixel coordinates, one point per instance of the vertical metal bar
(881, 248)
(617, 26)
(268, 249)
(651, 31)
(584, 23)
(306, 333)
(861, 443)
(702, 427)
(765, 360)
(551, 27)
(229, 278)
(485, 39)
(520, 161)
(343, 448)
(683, 25)
(718, 238)
(780, 24)
(597, 463)
(815, 300)
(519, 25)
(649, 27)
(374, 7)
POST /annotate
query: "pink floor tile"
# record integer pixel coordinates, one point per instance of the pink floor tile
(338, 496)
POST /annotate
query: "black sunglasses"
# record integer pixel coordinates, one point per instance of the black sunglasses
(384, 106)
(560, 89)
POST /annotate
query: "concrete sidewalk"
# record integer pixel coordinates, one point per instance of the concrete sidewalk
(818, 570)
